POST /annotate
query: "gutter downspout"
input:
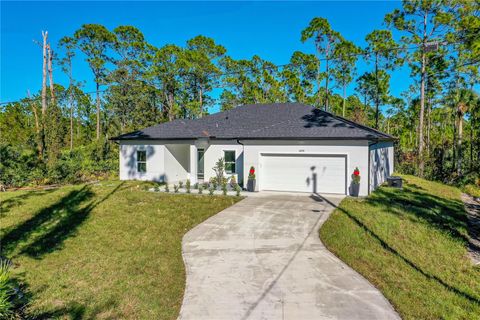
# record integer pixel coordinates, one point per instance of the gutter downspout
(243, 159)
(369, 165)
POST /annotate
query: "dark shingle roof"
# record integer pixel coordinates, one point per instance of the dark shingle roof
(262, 121)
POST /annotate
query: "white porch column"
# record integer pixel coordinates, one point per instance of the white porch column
(193, 164)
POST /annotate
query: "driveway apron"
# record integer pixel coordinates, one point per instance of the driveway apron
(262, 259)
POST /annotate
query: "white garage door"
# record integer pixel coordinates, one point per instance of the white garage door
(303, 173)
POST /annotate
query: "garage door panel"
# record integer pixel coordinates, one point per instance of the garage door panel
(303, 173)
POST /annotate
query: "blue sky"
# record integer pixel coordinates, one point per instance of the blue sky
(269, 29)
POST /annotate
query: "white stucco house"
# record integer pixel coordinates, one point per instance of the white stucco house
(292, 146)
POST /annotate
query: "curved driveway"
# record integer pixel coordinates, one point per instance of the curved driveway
(262, 259)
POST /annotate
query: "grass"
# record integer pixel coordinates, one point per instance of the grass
(411, 244)
(472, 190)
(102, 251)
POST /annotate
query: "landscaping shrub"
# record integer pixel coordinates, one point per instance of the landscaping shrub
(167, 189)
(233, 182)
(200, 189)
(238, 190)
(20, 168)
(213, 183)
(176, 188)
(224, 189)
(219, 169)
(188, 186)
(180, 184)
(211, 190)
(11, 299)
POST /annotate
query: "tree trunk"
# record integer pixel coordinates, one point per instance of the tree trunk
(200, 100)
(50, 73)
(327, 71)
(454, 144)
(421, 163)
(429, 113)
(318, 77)
(472, 126)
(170, 107)
(459, 142)
(37, 127)
(344, 97)
(44, 74)
(377, 95)
(98, 109)
(71, 121)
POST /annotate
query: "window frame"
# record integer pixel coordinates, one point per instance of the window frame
(234, 171)
(139, 162)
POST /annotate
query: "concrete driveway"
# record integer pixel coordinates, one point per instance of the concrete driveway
(262, 259)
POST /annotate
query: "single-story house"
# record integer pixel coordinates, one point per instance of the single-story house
(292, 146)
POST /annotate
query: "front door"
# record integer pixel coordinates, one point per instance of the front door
(200, 164)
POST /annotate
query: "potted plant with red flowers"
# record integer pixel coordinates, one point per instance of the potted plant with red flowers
(251, 180)
(355, 187)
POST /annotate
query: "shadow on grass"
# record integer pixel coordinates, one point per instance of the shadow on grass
(393, 251)
(446, 215)
(74, 311)
(49, 227)
(7, 204)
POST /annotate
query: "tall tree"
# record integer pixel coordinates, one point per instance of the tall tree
(421, 21)
(129, 96)
(167, 72)
(299, 77)
(94, 40)
(204, 57)
(325, 39)
(69, 45)
(386, 56)
(346, 56)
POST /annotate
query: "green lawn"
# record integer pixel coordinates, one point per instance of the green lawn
(472, 190)
(411, 244)
(102, 251)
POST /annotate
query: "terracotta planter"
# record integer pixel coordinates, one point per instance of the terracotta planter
(251, 185)
(354, 189)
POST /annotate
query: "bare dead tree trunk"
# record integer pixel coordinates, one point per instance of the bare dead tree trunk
(50, 73)
(44, 74)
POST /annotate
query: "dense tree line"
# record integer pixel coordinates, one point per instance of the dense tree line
(62, 132)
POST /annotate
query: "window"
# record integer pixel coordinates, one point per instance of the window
(142, 161)
(229, 161)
